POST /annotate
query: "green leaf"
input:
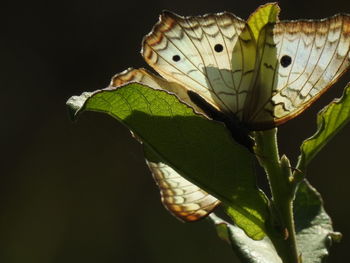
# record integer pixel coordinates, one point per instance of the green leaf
(313, 225)
(247, 249)
(199, 149)
(329, 122)
(265, 14)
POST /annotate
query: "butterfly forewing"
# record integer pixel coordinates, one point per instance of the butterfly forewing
(319, 55)
(183, 199)
(212, 55)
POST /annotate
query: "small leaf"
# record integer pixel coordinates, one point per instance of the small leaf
(199, 149)
(265, 14)
(329, 122)
(247, 249)
(313, 226)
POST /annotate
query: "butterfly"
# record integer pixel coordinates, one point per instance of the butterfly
(216, 65)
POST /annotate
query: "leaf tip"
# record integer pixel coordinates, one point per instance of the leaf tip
(75, 103)
(264, 14)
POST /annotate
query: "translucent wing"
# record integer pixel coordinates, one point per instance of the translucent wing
(212, 55)
(302, 60)
(183, 199)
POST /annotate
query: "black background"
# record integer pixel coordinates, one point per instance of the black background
(80, 192)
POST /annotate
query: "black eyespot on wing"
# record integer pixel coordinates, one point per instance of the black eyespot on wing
(285, 61)
(176, 58)
(218, 48)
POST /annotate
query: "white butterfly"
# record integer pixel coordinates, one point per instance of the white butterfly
(214, 61)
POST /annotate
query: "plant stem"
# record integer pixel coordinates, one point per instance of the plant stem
(279, 174)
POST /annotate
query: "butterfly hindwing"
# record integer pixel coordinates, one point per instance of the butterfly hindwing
(145, 77)
(183, 199)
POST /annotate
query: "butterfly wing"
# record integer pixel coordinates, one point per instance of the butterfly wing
(300, 60)
(212, 55)
(183, 199)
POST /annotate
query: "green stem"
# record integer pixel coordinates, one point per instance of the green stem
(279, 174)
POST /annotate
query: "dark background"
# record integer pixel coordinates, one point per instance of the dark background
(80, 192)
